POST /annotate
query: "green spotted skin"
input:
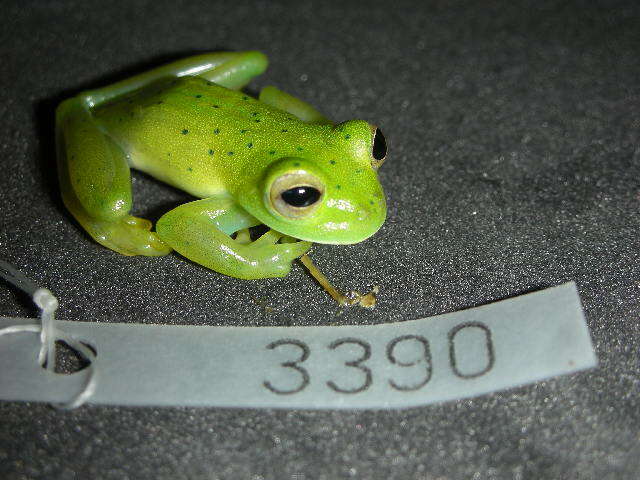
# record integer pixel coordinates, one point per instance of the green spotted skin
(204, 136)
(210, 141)
(199, 136)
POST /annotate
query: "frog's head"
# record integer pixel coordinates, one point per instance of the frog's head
(329, 195)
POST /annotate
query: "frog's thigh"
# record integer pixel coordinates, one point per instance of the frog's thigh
(236, 72)
(96, 185)
(229, 69)
(279, 99)
(201, 232)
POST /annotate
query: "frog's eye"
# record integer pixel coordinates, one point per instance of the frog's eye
(301, 196)
(296, 194)
(379, 150)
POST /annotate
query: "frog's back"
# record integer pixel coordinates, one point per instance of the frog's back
(191, 133)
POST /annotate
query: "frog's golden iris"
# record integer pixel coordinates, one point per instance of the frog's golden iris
(296, 194)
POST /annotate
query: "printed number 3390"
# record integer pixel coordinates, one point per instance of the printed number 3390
(359, 363)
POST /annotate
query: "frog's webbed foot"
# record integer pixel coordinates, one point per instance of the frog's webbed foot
(128, 236)
(202, 231)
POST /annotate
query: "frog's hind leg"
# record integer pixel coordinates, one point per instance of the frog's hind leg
(230, 69)
(96, 185)
(282, 100)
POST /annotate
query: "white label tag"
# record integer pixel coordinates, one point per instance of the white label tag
(451, 356)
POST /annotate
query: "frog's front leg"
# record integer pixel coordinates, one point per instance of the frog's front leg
(96, 185)
(201, 231)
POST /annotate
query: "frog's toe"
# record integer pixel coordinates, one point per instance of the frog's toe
(243, 237)
(268, 238)
(138, 222)
(130, 236)
(152, 246)
(290, 251)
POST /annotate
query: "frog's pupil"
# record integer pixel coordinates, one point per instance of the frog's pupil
(379, 145)
(301, 196)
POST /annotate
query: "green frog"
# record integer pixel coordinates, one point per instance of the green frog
(272, 160)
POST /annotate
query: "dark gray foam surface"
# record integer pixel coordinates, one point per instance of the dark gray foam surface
(514, 165)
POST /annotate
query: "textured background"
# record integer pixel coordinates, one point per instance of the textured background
(514, 165)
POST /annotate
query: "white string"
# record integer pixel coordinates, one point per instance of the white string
(49, 334)
(48, 304)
